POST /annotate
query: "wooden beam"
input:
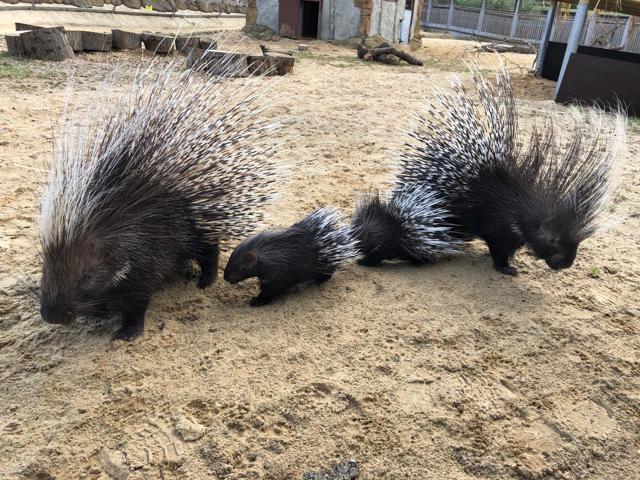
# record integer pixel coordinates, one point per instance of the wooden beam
(574, 37)
(546, 36)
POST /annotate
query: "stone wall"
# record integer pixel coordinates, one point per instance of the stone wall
(207, 6)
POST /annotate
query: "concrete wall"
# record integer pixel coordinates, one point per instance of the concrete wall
(386, 17)
(268, 14)
(347, 18)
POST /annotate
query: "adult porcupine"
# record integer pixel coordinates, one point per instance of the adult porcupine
(160, 176)
(309, 250)
(411, 226)
(547, 195)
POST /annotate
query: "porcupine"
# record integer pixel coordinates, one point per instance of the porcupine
(410, 225)
(310, 250)
(546, 195)
(160, 177)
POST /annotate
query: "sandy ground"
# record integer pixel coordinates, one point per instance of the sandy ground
(100, 21)
(449, 371)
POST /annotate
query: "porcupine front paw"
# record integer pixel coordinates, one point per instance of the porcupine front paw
(259, 301)
(207, 278)
(128, 332)
(508, 270)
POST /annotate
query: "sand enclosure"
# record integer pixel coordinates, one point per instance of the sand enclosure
(448, 371)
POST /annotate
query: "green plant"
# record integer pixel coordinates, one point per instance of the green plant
(11, 69)
(594, 272)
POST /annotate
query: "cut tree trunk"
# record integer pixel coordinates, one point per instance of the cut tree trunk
(75, 40)
(157, 43)
(217, 62)
(121, 40)
(21, 27)
(186, 44)
(15, 46)
(282, 63)
(366, 53)
(266, 50)
(96, 42)
(46, 44)
(261, 65)
(208, 44)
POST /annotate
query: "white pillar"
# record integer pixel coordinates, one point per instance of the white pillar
(574, 37)
(450, 17)
(514, 22)
(481, 16)
(626, 35)
(546, 36)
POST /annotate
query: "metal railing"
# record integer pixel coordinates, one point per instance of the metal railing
(615, 32)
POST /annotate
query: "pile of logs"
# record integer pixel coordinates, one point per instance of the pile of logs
(385, 53)
(56, 43)
(218, 62)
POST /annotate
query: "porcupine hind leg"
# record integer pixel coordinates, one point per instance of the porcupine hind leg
(372, 259)
(133, 312)
(208, 261)
(502, 250)
(320, 279)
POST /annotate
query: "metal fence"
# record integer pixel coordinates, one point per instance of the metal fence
(619, 32)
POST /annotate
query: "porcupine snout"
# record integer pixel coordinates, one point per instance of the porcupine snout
(56, 311)
(560, 260)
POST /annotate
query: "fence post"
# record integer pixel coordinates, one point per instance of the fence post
(591, 30)
(426, 19)
(546, 36)
(514, 22)
(450, 17)
(481, 16)
(626, 35)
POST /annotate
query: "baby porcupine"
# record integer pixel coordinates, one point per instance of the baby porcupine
(309, 250)
(410, 225)
(546, 195)
(158, 177)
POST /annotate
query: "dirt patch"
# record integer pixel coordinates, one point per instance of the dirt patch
(449, 371)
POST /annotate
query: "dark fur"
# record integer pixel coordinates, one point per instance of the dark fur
(545, 194)
(508, 212)
(280, 260)
(78, 279)
(379, 234)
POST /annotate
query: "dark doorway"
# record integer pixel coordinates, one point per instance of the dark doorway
(310, 12)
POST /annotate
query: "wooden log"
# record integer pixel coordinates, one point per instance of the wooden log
(121, 40)
(46, 44)
(15, 46)
(208, 44)
(366, 53)
(261, 65)
(22, 27)
(157, 43)
(186, 44)
(75, 40)
(266, 50)
(96, 42)
(217, 62)
(282, 63)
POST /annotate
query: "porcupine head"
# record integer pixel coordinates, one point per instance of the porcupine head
(243, 262)
(77, 276)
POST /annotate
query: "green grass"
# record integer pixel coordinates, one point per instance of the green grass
(634, 124)
(10, 68)
(594, 272)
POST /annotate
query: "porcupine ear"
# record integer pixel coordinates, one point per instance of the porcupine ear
(250, 259)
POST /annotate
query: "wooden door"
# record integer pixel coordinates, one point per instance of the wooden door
(290, 18)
